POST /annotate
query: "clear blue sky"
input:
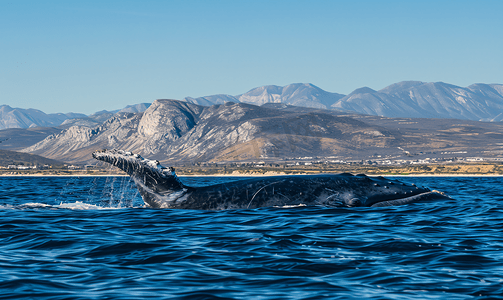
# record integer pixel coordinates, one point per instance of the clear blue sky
(86, 56)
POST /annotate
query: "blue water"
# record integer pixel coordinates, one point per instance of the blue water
(92, 238)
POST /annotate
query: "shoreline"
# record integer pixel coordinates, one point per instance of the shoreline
(433, 170)
(254, 175)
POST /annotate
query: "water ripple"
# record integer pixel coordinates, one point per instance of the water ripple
(92, 238)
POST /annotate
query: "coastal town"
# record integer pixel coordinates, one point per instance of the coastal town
(298, 165)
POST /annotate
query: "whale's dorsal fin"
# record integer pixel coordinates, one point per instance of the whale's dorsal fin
(153, 180)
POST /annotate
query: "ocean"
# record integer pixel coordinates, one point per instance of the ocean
(92, 238)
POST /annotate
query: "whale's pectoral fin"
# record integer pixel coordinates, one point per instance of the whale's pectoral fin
(155, 182)
(427, 196)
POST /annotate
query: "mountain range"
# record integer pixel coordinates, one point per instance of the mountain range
(181, 132)
(29, 118)
(407, 99)
(297, 94)
(414, 99)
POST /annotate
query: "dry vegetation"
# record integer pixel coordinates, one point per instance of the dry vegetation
(460, 169)
(276, 169)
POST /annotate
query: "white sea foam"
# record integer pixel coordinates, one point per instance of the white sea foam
(35, 205)
(79, 205)
(74, 206)
(291, 206)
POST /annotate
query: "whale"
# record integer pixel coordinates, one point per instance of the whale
(160, 187)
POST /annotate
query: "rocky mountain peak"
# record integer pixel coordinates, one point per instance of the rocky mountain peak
(169, 119)
(362, 90)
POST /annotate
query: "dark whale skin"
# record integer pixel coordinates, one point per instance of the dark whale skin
(161, 188)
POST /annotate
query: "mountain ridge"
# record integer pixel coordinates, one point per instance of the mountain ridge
(298, 94)
(182, 131)
(480, 102)
(410, 99)
(27, 118)
(30, 118)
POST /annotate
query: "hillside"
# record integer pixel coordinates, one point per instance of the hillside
(15, 139)
(18, 158)
(179, 131)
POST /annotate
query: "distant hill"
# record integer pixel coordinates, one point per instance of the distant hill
(135, 108)
(99, 117)
(298, 94)
(415, 99)
(27, 118)
(30, 118)
(18, 158)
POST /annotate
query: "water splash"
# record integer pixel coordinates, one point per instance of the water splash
(113, 192)
(119, 192)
